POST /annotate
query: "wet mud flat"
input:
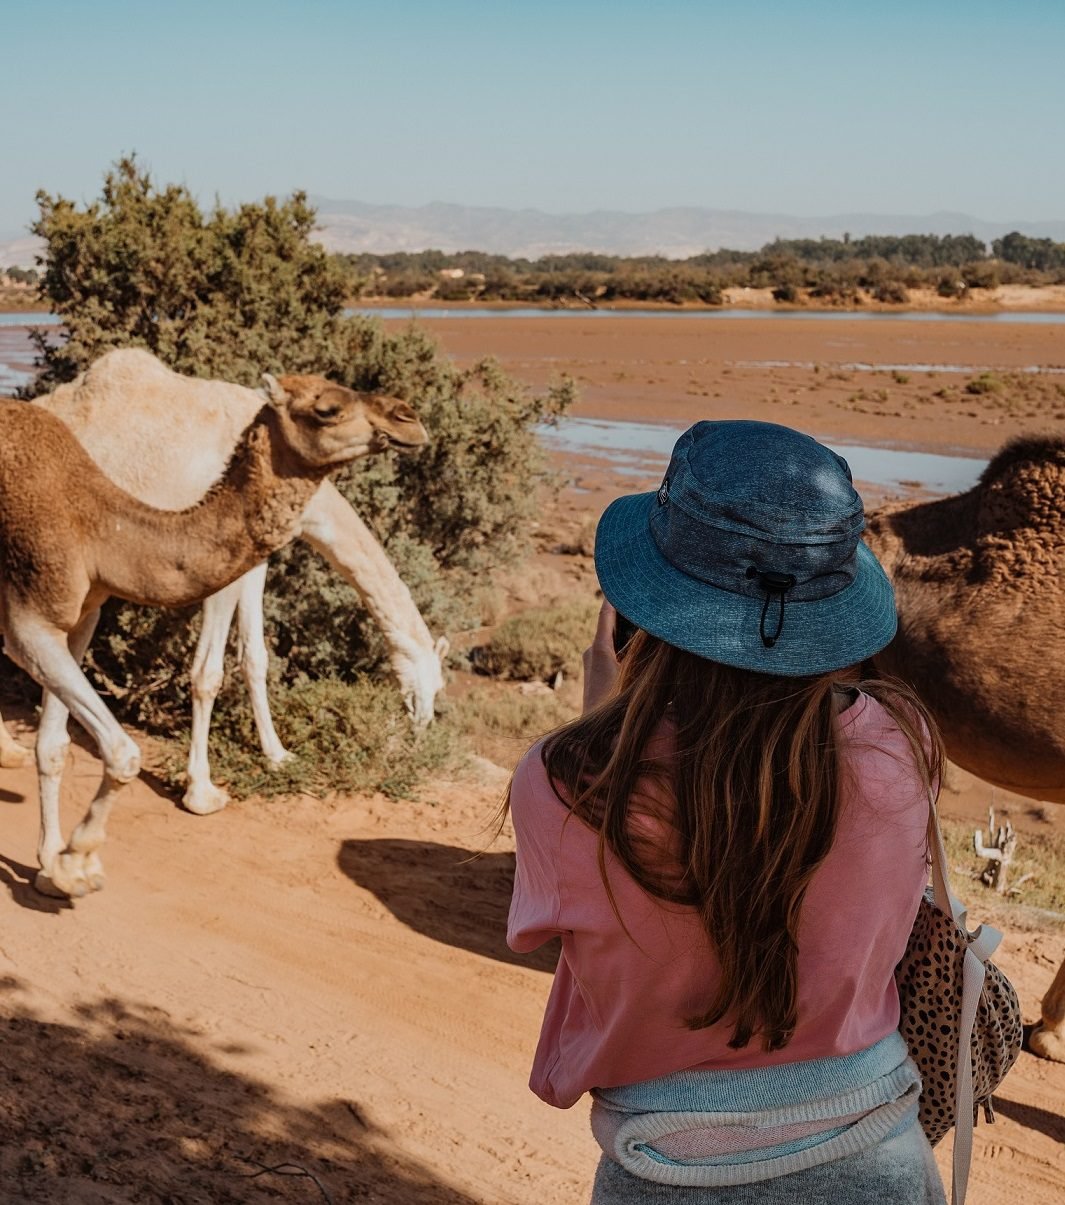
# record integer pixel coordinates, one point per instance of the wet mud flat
(869, 381)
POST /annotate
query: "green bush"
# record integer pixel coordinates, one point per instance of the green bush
(540, 642)
(891, 292)
(234, 294)
(498, 721)
(951, 285)
(986, 382)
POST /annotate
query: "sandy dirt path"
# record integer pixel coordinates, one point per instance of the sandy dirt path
(326, 986)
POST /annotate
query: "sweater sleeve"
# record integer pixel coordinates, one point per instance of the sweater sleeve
(536, 905)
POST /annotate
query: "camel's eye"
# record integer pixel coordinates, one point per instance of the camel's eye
(326, 411)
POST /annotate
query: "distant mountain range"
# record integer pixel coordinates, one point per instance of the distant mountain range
(353, 226)
(678, 232)
(19, 251)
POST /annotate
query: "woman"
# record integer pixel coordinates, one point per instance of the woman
(731, 842)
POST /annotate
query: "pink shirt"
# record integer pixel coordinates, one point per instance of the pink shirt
(616, 1008)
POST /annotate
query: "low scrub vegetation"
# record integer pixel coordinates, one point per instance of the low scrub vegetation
(540, 642)
(498, 721)
(344, 736)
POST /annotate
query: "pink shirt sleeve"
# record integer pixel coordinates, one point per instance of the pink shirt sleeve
(536, 904)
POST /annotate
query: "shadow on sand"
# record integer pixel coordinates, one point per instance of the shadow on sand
(18, 879)
(452, 895)
(124, 1106)
(1033, 1118)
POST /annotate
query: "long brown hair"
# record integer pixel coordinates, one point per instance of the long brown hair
(754, 799)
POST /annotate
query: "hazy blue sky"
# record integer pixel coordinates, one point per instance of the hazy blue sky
(807, 107)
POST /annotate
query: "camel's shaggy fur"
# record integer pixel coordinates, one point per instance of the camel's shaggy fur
(980, 585)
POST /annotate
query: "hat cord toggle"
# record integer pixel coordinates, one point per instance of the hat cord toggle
(775, 585)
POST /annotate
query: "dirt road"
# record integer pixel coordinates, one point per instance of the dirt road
(323, 986)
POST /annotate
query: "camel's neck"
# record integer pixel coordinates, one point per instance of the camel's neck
(172, 558)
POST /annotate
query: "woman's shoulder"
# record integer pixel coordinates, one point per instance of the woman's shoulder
(531, 789)
(870, 722)
(879, 754)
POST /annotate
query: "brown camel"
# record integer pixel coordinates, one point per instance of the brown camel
(980, 580)
(69, 539)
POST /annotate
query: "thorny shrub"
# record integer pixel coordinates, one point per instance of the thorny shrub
(235, 294)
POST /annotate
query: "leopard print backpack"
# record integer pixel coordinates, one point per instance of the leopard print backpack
(960, 1016)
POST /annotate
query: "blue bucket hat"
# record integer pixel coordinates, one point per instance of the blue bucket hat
(749, 554)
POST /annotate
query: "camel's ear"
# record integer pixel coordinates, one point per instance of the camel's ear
(273, 391)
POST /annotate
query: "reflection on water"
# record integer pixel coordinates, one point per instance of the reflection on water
(28, 319)
(643, 450)
(393, 312)
(12, 378)
(723, 314)
(1049, 369)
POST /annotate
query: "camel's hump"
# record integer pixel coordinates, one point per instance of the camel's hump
(138, 420)
(1023, 486)
(130, 371)
(1038, 453)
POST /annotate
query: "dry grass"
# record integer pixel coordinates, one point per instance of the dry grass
(1040, 855)
(539, 642)
(498, 721)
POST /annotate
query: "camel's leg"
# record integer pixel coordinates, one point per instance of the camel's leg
(201, 796)
(42, 651)
(255, 660)
(12, 754)
(1048, 1039)
(331, 526)
(53, 744)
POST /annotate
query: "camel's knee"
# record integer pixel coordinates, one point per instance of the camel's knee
(52, 750)
(206, 682)
(122, 760)
(255, 662)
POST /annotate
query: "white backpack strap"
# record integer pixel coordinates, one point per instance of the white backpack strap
(972, 985)
(984, 942)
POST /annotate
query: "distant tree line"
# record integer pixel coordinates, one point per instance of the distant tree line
(844, 271)
(20, 276)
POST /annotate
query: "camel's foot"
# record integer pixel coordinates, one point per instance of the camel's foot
(204, 798)
(14, 757)
(1048, 1044)
(71, 876)
(278, 757)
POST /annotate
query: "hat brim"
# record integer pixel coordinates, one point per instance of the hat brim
(817, 636)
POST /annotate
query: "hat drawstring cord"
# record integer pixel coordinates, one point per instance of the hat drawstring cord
(774, 584)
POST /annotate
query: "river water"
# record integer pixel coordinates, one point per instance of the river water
(643, 450)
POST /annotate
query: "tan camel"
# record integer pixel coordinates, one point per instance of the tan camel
(980, 581)
(70, 538)
(166, 439)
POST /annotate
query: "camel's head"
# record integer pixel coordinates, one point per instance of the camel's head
(420, 674)
(327, 425)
